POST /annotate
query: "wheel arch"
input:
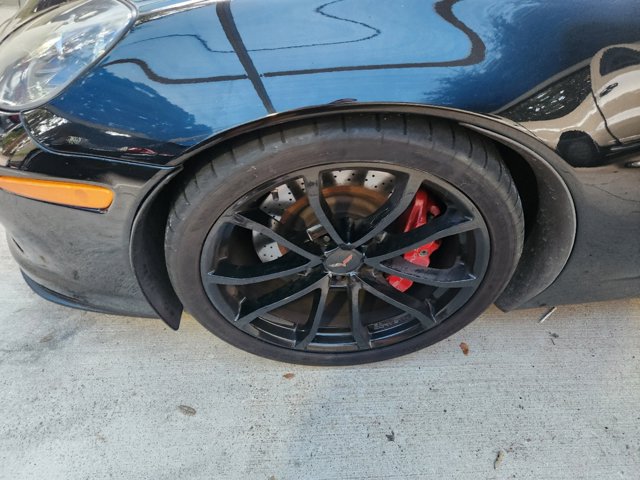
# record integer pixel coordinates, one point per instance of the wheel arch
(550, 213)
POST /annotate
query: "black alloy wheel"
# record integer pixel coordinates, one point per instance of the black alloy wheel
(346, 240)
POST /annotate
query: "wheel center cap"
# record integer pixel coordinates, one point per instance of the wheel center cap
(342, 261)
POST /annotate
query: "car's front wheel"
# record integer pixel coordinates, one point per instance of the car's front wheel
(345, 240)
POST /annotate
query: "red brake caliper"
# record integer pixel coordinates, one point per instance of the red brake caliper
(421, 209)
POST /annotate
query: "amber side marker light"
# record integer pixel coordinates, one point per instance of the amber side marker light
(63, 193)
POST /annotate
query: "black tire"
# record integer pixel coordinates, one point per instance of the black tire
(579, 149)
(461, 160)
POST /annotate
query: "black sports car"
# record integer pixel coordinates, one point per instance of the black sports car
(325, 182)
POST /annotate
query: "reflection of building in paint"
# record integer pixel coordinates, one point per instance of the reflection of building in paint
(591, 113)
(76, 132)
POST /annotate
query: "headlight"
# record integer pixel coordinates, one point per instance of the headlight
(42, 57)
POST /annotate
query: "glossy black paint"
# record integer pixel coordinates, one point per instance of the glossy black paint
(78, 254)
(248, 58)
(538, 76)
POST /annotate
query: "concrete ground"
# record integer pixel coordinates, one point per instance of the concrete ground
(85, 395)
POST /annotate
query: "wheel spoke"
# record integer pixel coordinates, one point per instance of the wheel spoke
(452, 222)
(457, 276)
(319, 205)
(251, 309)
(421, 310)
(400, 199)
(290, 263)
(260, 222)
(360, 332)
(315, 317)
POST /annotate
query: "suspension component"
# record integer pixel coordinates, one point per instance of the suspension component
(418, 214)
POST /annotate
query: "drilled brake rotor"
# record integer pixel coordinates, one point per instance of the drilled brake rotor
(351, 197)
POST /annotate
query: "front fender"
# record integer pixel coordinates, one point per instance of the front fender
(185, 74)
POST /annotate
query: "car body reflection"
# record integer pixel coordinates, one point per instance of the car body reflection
(590, 115)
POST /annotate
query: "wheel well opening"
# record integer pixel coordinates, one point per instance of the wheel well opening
(526, 183)
(148, 249)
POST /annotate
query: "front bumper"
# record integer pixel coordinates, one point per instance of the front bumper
(73, 256)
